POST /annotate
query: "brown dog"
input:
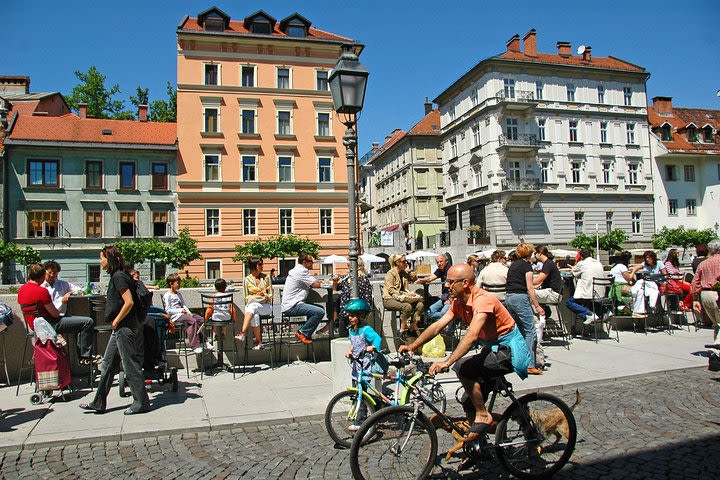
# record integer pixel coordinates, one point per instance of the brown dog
(461, 423)
(553, 422)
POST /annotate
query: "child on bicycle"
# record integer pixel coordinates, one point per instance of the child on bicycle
(365, 347)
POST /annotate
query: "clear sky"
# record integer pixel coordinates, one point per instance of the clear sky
(413, 49)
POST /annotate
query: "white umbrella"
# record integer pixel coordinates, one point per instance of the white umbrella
(420, 254)
(370, 258)
(334, 259)
(485, 254)
(563, 252)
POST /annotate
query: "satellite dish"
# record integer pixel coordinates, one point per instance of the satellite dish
(581, 49)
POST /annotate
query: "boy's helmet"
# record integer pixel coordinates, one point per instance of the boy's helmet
(358, 305)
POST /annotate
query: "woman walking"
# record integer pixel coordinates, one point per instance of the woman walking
(120, 312)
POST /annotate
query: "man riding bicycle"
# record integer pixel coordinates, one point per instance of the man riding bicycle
(504, 348)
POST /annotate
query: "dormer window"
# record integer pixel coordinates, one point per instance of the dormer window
(295, 26)
(692, 134)
(213, 20)
(214, 23)
(295, 31)
(261, 27)
(707, 134)
(666, 133)
(260, 23)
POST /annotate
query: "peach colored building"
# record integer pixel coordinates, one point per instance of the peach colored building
(260, 147)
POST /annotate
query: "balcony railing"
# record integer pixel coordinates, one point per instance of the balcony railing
(519, 140)
(520, 96)
(478, 237)
(521, 184)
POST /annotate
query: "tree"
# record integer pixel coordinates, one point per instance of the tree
(182, 251)
(141, 97)
(613, 240)
(679, 237)
(99, 98)
(132, 251)
(280, 246)
(165, 110)
(10, 252)
(583, 240)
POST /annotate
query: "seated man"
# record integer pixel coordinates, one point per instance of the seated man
(584, 271)
(495, 273)
(504, 348)
(51, 296)
(297, 286)
(438, 308)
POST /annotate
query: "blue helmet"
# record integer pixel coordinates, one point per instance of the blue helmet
(358, 305)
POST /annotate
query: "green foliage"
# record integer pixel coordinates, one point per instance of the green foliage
(613, 240)
(185, 282)
(141, 97)
(177, 254)
(182, 251)
(583, 240)
(10, 252)
(165, 110)
(280, 246)
(28, 256)
(91, 89)
(679, 237)
(132, 251)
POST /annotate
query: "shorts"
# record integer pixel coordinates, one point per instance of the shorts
(485, 365)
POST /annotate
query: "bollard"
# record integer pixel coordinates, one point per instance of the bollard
(340, 367)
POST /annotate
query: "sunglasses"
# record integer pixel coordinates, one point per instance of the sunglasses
(453, 281)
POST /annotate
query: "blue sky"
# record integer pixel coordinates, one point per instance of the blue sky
(413, 49)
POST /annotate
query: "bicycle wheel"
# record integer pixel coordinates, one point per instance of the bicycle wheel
(433, 390)
(536, 437)
(341, 412)
(402, 446)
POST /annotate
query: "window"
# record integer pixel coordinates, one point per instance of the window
(93, 224)
(127, 224)
(284, 169)
(627, 95)
(476, 135)
(666, 132)
(576, 171)
(248, 122)
(212, 269)
(451, 111)
(127, 176)
(212, 168)
(513, 170)
(541, 129)
(608, 221)
(212, 221)
(635, 224)
(159, 176)
(539, 87)
(453, 147)
(633, 173)
(601, 94)
(630, 130)
(579, 218)
(607, 173)
(511, 128)
(672, 207)
(43, 223)
(211, 74)
(509, 88)
(283, 78)
(477, 175)
(573, 131)
(249, 169)
(160, 224)
(692, 134)
(43, 173)
(322, 80)
(323, 124)
(670, 173)
(324, 170)
(249, 218)
(603, 132)
(93, 174)
(325, 221)
(211, 120)
(545, 171)
(93, 273)
(691, 206)
(570, 92)
(474, 96)
(247, 73)
(454, 190)
(295, 30)
(284, 123)
(285, 221)
(707, 134)
(689, 173)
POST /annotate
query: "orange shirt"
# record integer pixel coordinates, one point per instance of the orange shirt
(499, 321)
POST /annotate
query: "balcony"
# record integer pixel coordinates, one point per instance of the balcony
(516, 101)
(521, 143)
(525, 190)
(520, 184)
(478, 237)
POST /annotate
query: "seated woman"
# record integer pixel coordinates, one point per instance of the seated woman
(623, 277)
(345, 287)
(676, 282)
(397, 296)
(258, 300)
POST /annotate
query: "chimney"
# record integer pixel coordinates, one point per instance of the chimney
(143, 113)
(587, 54)
(375, 145)
(564, 49)
(662, 105)
(530, 44)
(387, 138)
(513, 45)
(428, 106)
(82, 110)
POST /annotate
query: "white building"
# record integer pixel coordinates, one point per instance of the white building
(539, 147)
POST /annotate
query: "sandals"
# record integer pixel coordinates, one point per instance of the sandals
(92, 408)
(479, 429)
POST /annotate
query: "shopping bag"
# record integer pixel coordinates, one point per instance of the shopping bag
(434, 348)
(52, 364)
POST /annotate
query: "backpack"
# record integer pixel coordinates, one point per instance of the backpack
(146, 297)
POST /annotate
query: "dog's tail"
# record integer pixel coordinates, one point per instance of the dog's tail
(578, 400)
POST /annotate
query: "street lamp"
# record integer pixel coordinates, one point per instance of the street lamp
(348, 81)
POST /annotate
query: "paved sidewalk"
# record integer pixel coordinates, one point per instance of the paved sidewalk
(301, 391)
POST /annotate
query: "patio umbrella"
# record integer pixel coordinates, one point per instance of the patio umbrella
(563, 252)
(485, 254)
(370, 258)
(334, 259)
(420, 254)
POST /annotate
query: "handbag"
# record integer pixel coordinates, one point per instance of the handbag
(435, 348)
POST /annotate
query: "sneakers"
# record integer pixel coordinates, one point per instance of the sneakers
(209, 346)
(534, 371)
(198, 350)
(590, 319)
(259, 346)
(240, 337)
(353, 428)
(304, 339)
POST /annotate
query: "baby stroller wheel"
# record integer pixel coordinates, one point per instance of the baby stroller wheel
(36, 398)
(174, 379)
(122, 385)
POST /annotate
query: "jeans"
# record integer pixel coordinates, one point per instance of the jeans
(578, 306)
(313, 313)
(518, 304)
(121, 351)
(83, 326)
(437, 310)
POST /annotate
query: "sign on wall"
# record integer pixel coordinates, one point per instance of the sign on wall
(386, 239)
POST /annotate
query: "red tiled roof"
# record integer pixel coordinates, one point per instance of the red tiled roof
(425, 126)
(71, 128)
(681, 118)
(23, 108)
(237, 27)
(611, 63)
(395, 137)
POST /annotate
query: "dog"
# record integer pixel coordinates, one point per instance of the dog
(462, 424)
(553, 422)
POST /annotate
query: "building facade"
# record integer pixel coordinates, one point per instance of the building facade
(686, 154)
(260, 148)
(539, 147)
(75, 184)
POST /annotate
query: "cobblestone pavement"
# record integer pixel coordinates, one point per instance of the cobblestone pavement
(656, 427)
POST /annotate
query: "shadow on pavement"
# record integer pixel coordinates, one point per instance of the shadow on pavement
(14, 417)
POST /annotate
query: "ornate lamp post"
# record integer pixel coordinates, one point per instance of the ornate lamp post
(348, 81)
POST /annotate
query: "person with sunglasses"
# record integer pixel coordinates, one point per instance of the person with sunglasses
(398, 297)
(297, 286)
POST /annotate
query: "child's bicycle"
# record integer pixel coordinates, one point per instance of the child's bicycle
(361, 400)
(534, 437)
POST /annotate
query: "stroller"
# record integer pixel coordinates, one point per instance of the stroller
(150, 346)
